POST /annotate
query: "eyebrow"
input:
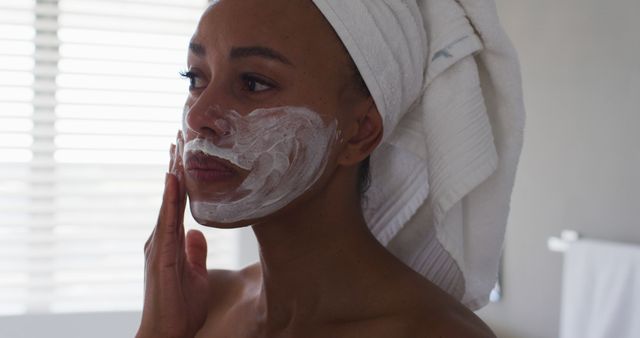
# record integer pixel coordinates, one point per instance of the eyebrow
(259, 51)
(244, 52)
(197, 49)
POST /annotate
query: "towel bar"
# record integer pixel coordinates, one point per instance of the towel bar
(562, 244)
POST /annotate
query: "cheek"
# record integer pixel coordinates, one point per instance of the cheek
(288, 149)
(184, 124)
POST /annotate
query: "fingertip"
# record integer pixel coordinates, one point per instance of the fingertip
(197, 249)
(180, 150)
(171, 177)
(195, 234)
(196, 241)
(172, 156)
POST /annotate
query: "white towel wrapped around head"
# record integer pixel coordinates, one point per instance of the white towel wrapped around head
(446, 80)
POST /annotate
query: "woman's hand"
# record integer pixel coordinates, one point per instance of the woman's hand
(176, 284)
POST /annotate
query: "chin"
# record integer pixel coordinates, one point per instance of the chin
(206, 217)
(204, 221)
(219, 225)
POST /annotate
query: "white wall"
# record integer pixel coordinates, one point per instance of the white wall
(580, 166)
(93, 325)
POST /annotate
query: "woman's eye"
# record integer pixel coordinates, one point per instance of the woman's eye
(195, 81)
(254, 84)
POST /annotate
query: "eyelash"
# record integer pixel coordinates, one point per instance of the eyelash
(251, 78)
(191, 76)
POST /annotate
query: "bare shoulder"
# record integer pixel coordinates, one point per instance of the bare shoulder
(454, 323)
(423, 310)
(418, 324)
(440, 315)
(228, 289)
(227, 286)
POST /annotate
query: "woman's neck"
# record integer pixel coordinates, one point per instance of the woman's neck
(313, 257)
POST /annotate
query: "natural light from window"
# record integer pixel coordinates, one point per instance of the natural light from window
(90, 100)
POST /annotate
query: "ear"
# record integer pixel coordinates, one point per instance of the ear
(363, 134)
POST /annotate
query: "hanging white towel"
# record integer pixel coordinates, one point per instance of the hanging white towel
(601, 291)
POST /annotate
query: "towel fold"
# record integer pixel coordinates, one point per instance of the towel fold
(601, 290)
(446, 81)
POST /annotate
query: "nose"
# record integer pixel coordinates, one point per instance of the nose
(210, 122)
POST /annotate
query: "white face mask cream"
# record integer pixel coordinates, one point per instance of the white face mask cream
(284, 149)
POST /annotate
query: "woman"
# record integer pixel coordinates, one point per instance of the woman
(277, 133)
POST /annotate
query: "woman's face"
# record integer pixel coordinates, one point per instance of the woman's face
(271, 90)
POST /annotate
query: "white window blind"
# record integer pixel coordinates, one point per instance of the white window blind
(90, 99)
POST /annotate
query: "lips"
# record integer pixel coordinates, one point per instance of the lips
(208, 168)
